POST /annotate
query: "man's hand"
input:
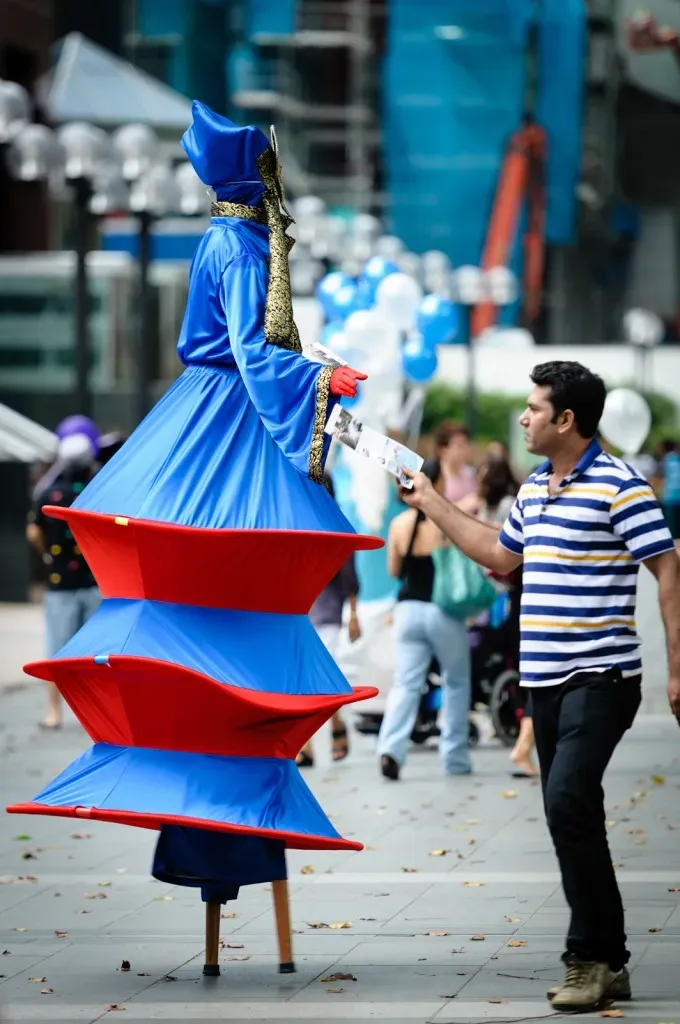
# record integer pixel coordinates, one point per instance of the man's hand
(421, 490)
(344, 381)
(674, 696)
(354, 628)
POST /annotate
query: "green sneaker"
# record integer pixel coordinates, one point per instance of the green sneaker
(587, 985)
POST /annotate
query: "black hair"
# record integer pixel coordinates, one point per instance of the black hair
(496, 482)
(573, 386)
(668, 445)
(432, 469)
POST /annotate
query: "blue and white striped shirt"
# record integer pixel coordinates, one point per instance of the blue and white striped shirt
(582, 546)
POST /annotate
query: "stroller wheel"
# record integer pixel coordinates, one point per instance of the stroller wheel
(473, 734)
(507, 706)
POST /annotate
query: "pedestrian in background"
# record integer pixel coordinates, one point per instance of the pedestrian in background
(71, 594)
(326, 615)
(582, 524)
(423, 631)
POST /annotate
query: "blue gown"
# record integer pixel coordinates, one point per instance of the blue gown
(200, 676)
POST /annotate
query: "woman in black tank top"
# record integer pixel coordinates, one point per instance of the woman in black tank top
(423, 632)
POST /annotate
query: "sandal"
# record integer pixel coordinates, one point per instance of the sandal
(303, 760)
(340, 747)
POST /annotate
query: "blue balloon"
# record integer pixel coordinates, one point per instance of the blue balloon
(438, 320)
(331, 329)
(419, 360)
(375, 271)
(348, 299)
(328, 287)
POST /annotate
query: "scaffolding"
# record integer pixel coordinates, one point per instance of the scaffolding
(319, 85)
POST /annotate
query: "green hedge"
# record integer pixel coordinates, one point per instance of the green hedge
(446, 402)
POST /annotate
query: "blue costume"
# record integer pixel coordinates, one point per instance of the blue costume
(201, 677)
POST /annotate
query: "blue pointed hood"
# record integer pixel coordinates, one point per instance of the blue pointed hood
(225, 155)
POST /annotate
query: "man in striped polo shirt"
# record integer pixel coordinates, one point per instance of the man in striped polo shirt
(581, 525)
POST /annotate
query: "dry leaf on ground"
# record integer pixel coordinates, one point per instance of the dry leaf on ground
(498, 1001)
(163, 899)
(116, 1006)
(125, 966)
(516, 942)
(335, 990)
(234, 945)
(60, 933)
(95, 896)
(473, 885)
(37, 981)
(653, 930)
(436, 933)
(337, 925)
(19, 929)
(339, 976)
(232, 958)
(509, 794)
(103, 885)
(46, 991)
(513, 920)
(143, 974)
(81, 835)
(409, 871)
(612, 1013)
(228, 917)
(438, 853)
(316, 924)
(658, 780)
(674, 888)
(473, 821)
(478, 938)
(307, 870)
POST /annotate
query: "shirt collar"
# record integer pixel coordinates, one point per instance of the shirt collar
(590, 454)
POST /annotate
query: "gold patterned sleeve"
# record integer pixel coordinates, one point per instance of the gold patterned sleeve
(316, 450)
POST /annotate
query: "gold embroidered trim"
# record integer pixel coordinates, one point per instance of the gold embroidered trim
(323, 390)
(279, 326)
(224, 209)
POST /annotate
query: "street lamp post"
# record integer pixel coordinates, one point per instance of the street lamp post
(154, 193)
(644, 330)
(88, 154)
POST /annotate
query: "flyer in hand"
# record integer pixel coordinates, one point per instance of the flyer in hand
(371, 444)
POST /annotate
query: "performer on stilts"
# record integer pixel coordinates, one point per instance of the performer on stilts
(210, 534)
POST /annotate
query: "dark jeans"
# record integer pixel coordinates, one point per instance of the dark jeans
(577, 727)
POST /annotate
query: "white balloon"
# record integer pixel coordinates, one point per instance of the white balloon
(643, 328)
(365, 225)
(308, 206)
(468, 282)
(501, 285)
(435, 261)
(398, 297)
(410, 264)
(626, 420)
(388, 246)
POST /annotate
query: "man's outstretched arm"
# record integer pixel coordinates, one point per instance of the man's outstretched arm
(476, 539)
(666, 569)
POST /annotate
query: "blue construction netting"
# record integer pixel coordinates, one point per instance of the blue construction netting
(454, 87)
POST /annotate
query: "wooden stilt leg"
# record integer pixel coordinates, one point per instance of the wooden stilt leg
(283, 932)
(211, 967)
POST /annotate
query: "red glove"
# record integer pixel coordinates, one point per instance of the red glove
(344, 381)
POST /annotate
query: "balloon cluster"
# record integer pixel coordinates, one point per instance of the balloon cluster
(381, 318)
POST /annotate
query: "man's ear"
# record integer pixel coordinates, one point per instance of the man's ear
(565, 421)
